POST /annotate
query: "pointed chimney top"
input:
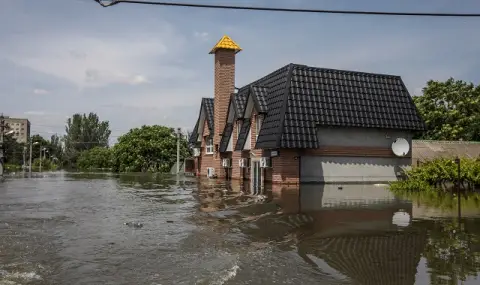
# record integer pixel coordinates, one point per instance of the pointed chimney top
(226, 43)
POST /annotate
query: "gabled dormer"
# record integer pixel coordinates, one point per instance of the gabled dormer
(234, 120)
(226, 142)
(204, 127)
(254, 112)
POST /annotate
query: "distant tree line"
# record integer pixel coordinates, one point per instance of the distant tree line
(145, 149)
(85, 146)
(16, 152)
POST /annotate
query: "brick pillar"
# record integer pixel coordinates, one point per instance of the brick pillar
(224, 80)
(224, 87)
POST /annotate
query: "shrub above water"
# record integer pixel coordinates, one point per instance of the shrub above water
(440, 173)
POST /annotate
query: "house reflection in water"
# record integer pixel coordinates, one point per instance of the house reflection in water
(362, 232)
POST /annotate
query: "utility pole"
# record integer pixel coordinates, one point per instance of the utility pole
(459, 181)
(2, 130)
(40, 157)
(24, 158)
(30, 162)
(178, 149)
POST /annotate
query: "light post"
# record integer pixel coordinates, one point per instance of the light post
(179, 133)
(24, 165)
(44, 149)
(459, 181)
(30, 164)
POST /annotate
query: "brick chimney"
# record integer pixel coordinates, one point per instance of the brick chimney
(224, 51)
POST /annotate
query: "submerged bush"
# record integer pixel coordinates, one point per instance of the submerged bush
(411, 186)
(440, 174)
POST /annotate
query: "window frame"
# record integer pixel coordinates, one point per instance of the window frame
(239, 127)
(258, 125)
(209, 149)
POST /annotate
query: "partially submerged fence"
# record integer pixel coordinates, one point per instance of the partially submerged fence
(425, 150)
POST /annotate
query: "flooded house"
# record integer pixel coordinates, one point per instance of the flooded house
(302, 123)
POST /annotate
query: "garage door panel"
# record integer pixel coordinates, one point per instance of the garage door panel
(351, 169)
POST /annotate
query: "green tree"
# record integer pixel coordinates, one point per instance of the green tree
(47, 164)
(13, 151)
(149, 148)
(55, 148)
(38, 142)
(95, 158)
(84, 132)
(451, 110)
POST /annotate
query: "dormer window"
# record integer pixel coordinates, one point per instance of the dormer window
(258, 125)
(209, 145)
(239, 126)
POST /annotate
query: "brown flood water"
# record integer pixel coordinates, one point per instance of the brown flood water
(69, 229)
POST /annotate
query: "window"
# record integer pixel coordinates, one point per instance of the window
(239, 126)
(258, 125)
(209, 146)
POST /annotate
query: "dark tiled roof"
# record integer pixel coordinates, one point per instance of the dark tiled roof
(226, 137)
(371, 258)
(299, 98)
(276, 82)
(240, 101)
(259, 94)
(242, 136)
(326, 97)
(194, 135)
(207, 104)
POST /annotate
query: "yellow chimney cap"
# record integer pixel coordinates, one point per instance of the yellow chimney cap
(226, 43)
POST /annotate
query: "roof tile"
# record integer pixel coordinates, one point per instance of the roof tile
(240, 101)
(227, 133)
(226, 43)
(298, 98)
(260, 94)
(327, 97)
(242, 136)
(207, 104)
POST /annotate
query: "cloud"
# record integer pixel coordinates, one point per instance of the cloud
(201, 35)
(89, 60)
(138, 79)
(35, 113)
(40, 91)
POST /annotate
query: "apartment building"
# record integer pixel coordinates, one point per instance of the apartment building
(21, 128)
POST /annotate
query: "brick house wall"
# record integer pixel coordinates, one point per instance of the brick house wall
(285, 167)
(205, 160)
(237, 172)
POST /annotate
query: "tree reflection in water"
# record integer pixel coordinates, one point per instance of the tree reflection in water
(452, 250)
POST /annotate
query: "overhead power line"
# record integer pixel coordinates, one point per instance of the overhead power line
(108, 3)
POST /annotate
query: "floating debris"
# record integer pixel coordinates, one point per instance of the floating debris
(134, 224)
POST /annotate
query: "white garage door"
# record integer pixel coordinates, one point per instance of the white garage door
(351, 169)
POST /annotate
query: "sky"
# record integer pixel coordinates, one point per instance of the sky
(139, 65)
